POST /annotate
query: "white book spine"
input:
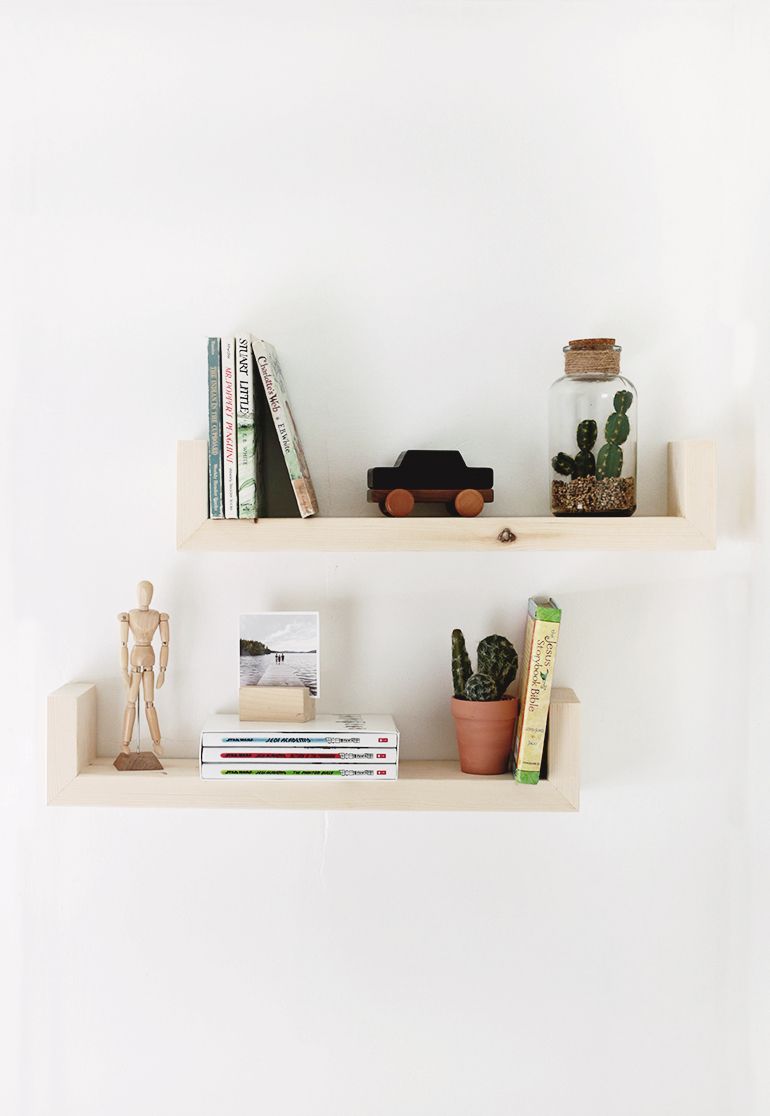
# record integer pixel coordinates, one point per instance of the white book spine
(270, 374)
(316, 772)
(274, 756)
(229, 431)
(299, 739)
(245, 428)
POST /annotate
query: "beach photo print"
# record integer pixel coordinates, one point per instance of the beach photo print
(280, 649)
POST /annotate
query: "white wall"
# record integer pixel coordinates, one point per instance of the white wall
(418, 204)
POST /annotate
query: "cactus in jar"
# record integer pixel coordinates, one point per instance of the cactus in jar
(586, 434)
(583, 464)
(563, 464)
(497, 663)
(609, 460)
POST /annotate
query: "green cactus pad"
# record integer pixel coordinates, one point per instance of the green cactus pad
(586, 435)
(585, 464)
(617, 429)
(622, 401)
(498, 660)
(461, 663)
(480, 687)
(563, 464)
(609, 461)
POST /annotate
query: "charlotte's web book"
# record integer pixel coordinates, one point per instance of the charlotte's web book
(246, 428)
(229, 434)
(278, 405)
(542, 636)
(215, 429)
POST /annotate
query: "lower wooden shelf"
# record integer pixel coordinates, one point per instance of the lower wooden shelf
(78, 777)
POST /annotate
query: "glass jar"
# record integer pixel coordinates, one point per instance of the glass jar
(593, 432)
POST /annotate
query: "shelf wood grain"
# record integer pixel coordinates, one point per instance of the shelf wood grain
(690, 524)
(78, 777)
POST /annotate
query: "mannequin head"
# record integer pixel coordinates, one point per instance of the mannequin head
(144, 593)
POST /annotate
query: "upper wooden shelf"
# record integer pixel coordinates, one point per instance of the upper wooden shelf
(689, 525)
(78, 777)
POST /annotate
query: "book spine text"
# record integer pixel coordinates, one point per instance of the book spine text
(245, 429)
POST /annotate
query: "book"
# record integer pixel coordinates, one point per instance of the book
(215, 429)
(229, 431)
(246, 429)
(348, 745)
(278, 406)
(540, 641)
(279, 753)
(299, 770)
(227, 728)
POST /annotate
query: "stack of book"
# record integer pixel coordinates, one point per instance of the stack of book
(342, 746)
(246, 384)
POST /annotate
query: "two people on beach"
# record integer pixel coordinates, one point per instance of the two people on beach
(279, 657)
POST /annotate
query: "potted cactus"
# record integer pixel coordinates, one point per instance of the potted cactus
(484, 714)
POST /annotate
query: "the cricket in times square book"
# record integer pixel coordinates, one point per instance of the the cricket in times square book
(278, 404)
(229, 431)
(542, 636)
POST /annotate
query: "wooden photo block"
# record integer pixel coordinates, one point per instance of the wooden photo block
(276, 703)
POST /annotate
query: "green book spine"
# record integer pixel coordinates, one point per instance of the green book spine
(215, 429)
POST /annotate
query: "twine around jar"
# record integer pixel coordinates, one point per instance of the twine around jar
(592, 354)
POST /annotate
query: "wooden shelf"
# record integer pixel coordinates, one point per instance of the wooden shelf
(689, 525)
(78, 777)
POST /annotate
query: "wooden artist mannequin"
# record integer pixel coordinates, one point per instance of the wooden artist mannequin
(139, 667)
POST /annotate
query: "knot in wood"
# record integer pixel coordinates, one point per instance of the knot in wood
(506, 536)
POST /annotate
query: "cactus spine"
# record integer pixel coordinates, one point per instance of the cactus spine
(497, 665)
(480, 687)
(461, 663)
(496, 656)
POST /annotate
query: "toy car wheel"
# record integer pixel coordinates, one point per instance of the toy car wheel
(469, 502)
(399, 503)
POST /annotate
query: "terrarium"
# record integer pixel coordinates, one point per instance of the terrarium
(593, 433)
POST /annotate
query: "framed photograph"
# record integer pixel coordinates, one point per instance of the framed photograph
(280, 649)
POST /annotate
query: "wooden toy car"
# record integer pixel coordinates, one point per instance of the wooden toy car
(430, 477)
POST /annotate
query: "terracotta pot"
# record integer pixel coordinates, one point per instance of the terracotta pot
(485, 734)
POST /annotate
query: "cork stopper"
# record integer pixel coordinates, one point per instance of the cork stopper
(592, 343)
(592, 354)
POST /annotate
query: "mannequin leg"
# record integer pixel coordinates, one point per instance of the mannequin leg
(148, 686)
(129, 716)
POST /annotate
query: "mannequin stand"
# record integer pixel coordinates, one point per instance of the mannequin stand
(137, 761)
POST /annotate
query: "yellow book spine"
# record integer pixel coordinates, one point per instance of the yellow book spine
(539, 656)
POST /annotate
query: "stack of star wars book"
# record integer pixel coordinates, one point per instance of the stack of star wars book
(336, 746)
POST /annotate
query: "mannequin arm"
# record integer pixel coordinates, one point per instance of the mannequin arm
(123, 621)
(164, 638)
